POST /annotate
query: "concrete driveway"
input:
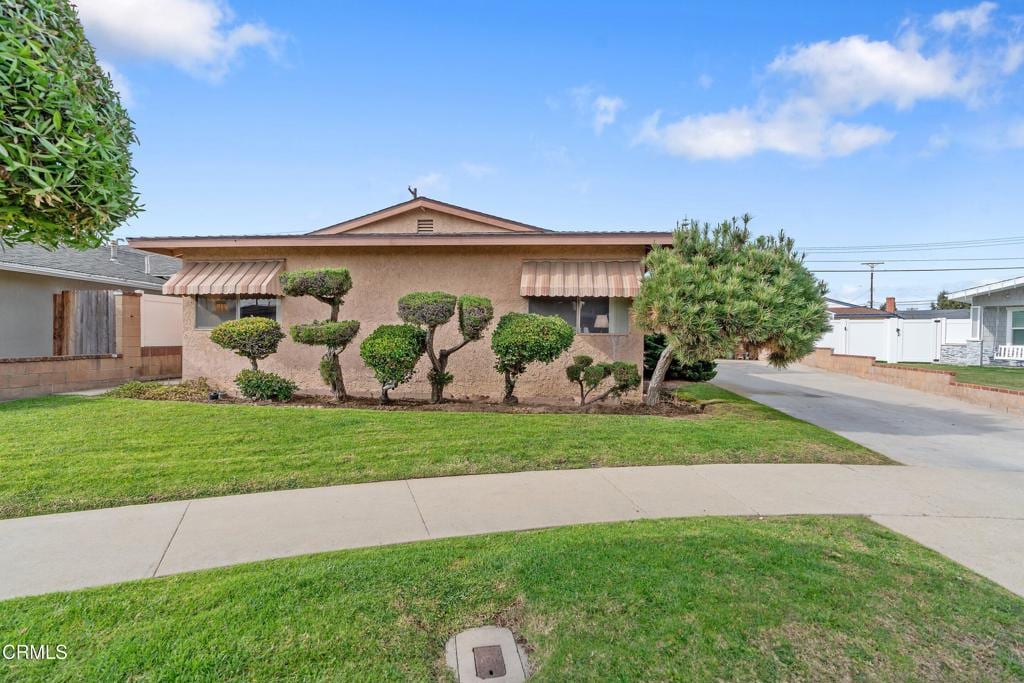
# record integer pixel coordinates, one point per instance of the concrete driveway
(909, 426)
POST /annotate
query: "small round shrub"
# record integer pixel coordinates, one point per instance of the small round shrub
(429, 309)
(523, 338)
(392, 352)
(257, 385)
(252, 338)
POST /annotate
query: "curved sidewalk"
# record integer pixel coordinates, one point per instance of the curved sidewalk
(975, 517)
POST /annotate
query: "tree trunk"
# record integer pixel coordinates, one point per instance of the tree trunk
(254, 366)
(336, 382)
(436, 385)
(510, 387)
(384, 394)
(658, 376)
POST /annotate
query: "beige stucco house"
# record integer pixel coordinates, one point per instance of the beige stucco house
(588, 278)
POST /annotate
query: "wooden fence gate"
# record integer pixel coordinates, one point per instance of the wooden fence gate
(84, 322)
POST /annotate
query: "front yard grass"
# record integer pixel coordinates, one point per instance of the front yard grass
(1004, 378)
(800, 598)
(64, 453)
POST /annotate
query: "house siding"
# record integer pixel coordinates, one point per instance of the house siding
(381, 275)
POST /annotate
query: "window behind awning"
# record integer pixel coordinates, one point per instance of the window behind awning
(581, 278)
(198, 278)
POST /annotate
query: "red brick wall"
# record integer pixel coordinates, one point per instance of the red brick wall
(939, 382)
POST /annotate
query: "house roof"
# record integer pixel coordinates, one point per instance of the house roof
(126, 269)
(1001, 285)
(840, 304)
(434, 205)
(175, 245)
(344, 234)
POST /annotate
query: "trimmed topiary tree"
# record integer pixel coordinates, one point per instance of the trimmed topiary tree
(433, 309)
(66, 175)
(252, 338)
(329, 286)
(523, 338)
(392, 352)
(588, 375)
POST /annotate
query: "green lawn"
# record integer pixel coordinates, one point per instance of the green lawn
(1004, 378)
(70, 453)
(803, 598)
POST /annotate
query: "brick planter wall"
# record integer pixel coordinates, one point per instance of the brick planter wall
(939, 382)
(42, 375)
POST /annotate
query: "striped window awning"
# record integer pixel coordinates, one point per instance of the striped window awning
(197, 278)
(581, 278)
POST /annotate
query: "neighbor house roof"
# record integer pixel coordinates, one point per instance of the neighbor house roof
(858, 312)
(948, 313)
(1001, 285)
(114, 265)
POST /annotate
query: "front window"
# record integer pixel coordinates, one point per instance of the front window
(214, 310)
(587, 315)
(1017, 327)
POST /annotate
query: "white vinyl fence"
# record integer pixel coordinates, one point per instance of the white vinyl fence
(893, 339)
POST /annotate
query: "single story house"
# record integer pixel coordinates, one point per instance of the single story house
(589, 278)
(30, 276)
(844, 310)
(997, 324)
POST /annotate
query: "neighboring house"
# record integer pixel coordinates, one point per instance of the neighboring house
(844, 310)
(588, 278)
(30, 276)
(997, 324)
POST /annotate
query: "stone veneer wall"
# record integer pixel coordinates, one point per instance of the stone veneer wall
(42, 375)
(939, 382)
(968, 353)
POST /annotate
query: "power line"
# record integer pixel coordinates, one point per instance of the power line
(917, 270)
(988, 242)
(913, 260)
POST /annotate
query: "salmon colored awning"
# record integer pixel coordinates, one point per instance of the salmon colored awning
(581, 278)
(226, 277)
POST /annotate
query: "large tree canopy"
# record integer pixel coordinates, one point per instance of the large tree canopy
(716, 289)
(66, 175)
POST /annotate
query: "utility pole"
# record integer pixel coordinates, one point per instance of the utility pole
(871, 265)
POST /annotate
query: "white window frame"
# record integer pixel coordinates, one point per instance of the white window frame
(976, 322)
(1009, 324)
(237, 298)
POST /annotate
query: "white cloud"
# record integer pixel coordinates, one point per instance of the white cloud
(605, 110)
(741, 132)
(974, 19)
(477, 170)
(854, 73)
(601, 109)
(1013, 58)
(844, 138)
(805, 106)
(120, 83)
(937, 142)
(705, 81)
(198, 36)
(429, 182)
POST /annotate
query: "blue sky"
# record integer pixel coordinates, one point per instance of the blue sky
(849, 124)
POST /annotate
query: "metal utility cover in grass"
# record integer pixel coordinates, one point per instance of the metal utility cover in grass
(487, 653)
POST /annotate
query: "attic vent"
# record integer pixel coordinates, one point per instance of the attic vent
(424, 225)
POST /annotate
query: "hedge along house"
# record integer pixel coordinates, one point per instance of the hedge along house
(587, 278)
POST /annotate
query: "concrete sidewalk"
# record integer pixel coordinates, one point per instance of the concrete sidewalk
(975, 517)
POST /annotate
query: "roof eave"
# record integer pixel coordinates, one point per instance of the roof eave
(85, 277)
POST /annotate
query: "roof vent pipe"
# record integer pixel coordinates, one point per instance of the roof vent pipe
(113, 249)
(148, 267)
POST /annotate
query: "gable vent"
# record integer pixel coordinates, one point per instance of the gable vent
(424, 225)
